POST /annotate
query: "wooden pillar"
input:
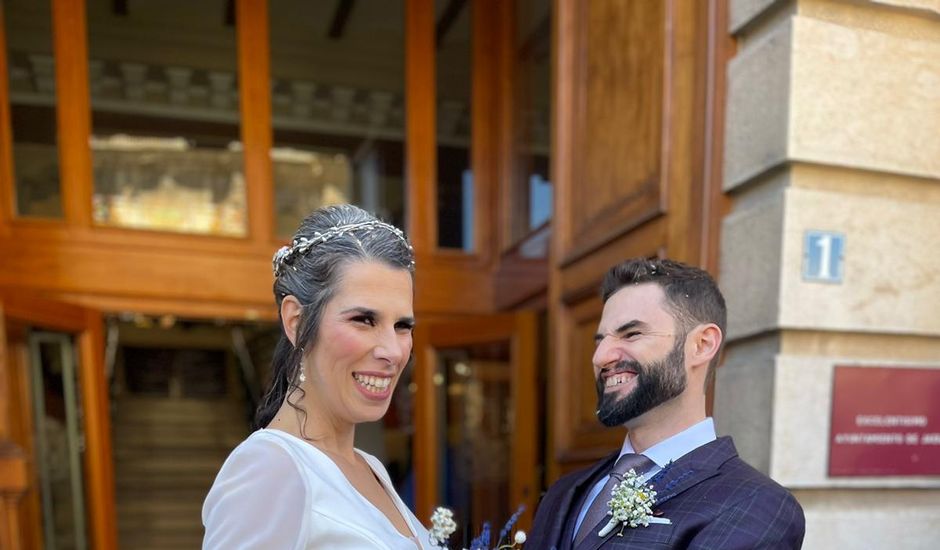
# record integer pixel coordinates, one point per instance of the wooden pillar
(254, 83)
(73, 109)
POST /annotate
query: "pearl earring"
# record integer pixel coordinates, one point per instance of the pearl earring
(302, 377)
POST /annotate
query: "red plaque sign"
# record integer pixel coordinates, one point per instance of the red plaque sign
(885, 422)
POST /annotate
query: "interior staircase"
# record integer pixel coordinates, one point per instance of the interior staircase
(167, 452)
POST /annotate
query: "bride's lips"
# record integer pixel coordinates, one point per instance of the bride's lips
(375, 386)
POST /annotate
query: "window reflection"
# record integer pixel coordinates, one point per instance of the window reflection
(306, 180)
(475, 400)
(164, 96)
(531, 189)
(455, 185)
(337, 81)
(168, 184)
(31, 74)
(58, 439)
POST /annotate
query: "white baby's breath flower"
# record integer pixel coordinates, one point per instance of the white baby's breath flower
(442, 526)
(631, 503)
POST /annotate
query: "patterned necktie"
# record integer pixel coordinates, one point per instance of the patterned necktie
(599, 509)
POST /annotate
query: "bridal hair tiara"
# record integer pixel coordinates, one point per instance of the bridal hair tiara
(302, 245)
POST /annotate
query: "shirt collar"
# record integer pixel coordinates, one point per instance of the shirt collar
(677, 446)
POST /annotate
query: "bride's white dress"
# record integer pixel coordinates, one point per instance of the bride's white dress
(277, 491)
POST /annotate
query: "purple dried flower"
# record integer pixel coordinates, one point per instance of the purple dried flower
(504, 532)
(482, 542)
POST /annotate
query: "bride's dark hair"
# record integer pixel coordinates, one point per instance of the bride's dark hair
(310, 274)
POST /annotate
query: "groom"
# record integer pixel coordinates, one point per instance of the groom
(657, 345)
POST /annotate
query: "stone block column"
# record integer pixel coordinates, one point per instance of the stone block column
(833, 124)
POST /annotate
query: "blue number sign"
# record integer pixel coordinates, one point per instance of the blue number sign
(823, 256)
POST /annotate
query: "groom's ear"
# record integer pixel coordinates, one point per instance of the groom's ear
(705, 341)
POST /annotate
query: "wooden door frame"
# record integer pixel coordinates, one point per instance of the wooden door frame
(520, 329)
(86, 326)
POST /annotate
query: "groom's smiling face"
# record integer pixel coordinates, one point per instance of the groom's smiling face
(639, 362)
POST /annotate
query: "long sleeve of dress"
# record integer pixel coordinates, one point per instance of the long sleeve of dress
(258, 501)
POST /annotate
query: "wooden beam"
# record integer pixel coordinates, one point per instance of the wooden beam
(99, 466)
(715, 205)
(420, 142)
(340, 18)
(14, 483)
(420, 126)
(254, 83)
(447, 20)
(70, 43)
(424, 448)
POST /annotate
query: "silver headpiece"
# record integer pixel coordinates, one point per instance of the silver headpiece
(302, 245)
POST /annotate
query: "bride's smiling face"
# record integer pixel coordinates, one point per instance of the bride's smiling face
(363, 343)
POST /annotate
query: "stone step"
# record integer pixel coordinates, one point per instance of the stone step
(137, 409)
(167, 453)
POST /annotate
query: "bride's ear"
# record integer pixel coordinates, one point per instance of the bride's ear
(290, 317)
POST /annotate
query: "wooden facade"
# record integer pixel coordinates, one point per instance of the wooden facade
(637, 104)
(637, 132)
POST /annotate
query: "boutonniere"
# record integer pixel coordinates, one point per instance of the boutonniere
(443, 526)
(631, 505)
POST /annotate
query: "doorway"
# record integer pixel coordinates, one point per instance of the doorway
(477, 445)
(55, 435)
(182, 397)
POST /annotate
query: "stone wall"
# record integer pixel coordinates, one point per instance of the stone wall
(833, 124)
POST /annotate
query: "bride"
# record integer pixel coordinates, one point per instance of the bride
(345, 292)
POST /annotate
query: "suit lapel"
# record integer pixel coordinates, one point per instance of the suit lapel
(686, 472)
(569, 505)
(692, 469)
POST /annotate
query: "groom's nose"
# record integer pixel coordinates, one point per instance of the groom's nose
(606, 353)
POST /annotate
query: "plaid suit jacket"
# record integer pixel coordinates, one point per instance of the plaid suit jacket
(713, 498)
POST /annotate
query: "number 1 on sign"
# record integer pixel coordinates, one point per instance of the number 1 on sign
(824, 243)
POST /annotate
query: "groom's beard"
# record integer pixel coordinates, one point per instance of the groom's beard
(656, 383)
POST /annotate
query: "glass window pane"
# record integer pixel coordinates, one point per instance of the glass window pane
(57, 418)
(338, 80)
(32, 108)
(474, 386)
(455, 186)
(531, 199)
(165, 116)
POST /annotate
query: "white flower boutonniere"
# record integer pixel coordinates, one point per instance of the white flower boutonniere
(631, 505)
(442, 526)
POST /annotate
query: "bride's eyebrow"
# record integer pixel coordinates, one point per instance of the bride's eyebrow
(360, 311)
